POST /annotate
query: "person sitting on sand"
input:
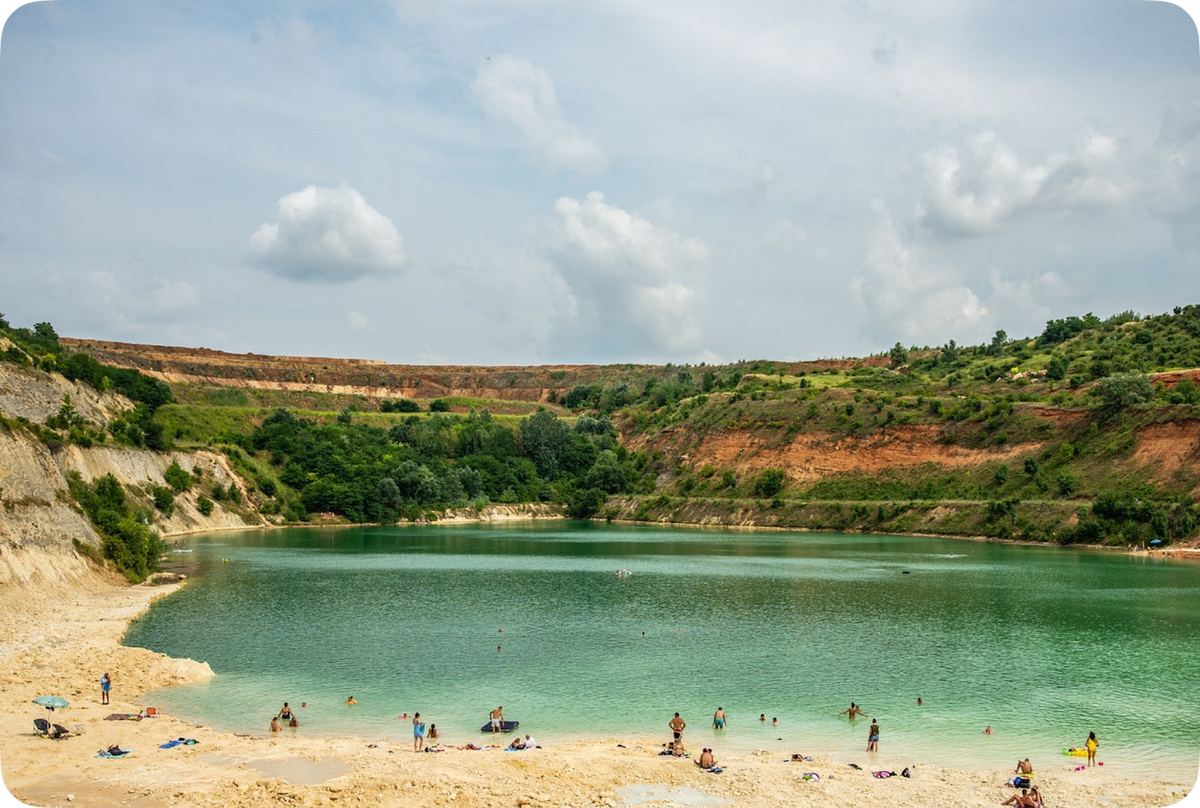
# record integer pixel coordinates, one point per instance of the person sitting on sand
(706, 760)
(1036, 796)
(275, 725)
(350, 700)
(1022, 800)
(1024, 768)
(853, 711)
(530, 743)
(516, 745)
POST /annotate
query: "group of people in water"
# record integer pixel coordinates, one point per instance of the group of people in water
(285, 715)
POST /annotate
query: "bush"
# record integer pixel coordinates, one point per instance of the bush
(769, 484)
(204, 505)
(439, 405)
(177, 478)
(164, 499)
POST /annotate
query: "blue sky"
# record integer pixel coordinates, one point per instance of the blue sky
(542, 182)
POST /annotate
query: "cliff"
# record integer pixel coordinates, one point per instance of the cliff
(39, 520)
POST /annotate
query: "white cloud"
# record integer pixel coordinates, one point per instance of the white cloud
(513, 90)
(909, 297)
(359, 322)
(982, 185)
(328, 235)
(627, 278)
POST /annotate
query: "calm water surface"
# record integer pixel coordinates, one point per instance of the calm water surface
(1042, 644)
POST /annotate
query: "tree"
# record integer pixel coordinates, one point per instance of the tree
(998, 343)
(898, 355)
(1123, 390)
(45, 331)
(1057, 369)
(770, 483)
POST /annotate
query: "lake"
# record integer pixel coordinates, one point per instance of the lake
(1043, 644)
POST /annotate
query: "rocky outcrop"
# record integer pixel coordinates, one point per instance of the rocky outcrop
(39, 520)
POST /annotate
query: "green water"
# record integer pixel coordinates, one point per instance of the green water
(1043, 644)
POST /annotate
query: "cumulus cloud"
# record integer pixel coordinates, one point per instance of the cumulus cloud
(982, 185)
(328, 235)
(908, 296)
(513, 90)
(626, 278)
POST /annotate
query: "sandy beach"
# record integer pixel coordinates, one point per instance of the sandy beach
(63, 627)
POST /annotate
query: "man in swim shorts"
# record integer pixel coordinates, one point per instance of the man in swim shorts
(853, 711)
(719, 718)
(1024, 768)
(497, 716)
(677, 724)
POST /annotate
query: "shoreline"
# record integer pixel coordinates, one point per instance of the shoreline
(1185, 553)
(59, 643)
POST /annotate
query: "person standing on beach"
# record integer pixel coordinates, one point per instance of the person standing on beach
(677, 724)
(105, 686)
(497, 716)
(418, 732)
(1092, 745)
(719, 718)
(873, 737)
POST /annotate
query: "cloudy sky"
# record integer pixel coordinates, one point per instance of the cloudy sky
(545, 181)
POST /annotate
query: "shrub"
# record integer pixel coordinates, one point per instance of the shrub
(177, 478)
(770, 483)
(204, 505)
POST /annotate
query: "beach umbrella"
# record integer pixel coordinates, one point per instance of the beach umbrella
(51, 702)
(1156, 541)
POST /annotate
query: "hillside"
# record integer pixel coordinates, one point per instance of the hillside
(1089, 432)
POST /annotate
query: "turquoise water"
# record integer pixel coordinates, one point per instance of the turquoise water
(1041, 643)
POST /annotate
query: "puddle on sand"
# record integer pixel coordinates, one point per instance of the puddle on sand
(679, 795)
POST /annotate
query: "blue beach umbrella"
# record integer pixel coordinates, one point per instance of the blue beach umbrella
(1156, 541)
(51, 702)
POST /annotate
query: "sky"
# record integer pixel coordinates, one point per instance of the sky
(549, 181)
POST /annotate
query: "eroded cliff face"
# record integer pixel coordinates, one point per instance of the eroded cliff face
(38, 517)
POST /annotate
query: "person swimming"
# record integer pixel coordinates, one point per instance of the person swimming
(350, 700)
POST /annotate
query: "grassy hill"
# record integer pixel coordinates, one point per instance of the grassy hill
(1088, 432)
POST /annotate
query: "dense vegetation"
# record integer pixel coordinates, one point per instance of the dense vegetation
(1055, 419)
(367, 474)
(128, 540)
